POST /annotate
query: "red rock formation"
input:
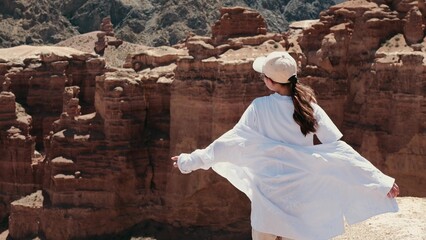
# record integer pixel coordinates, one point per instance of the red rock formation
(70, 102)
(39, 75)
(153, 57)
(101, 44)
(107, 161)
(19, 163)
(414, 27)
(237, 22)
(115, 42)
(107, 27)
(101, 165)
(90, 164)
(115, 158)
(106, 37)
(359, 49)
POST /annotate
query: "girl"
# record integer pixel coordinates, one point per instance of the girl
(298, 189)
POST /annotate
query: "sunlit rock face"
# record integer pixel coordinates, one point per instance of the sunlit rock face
(106, 134)
(375, 53)
(39, 75)
(20, 164)
(33, 80)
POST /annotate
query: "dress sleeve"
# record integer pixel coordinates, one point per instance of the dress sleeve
(221, 148)
(249, 117)
(327, 131)
(198, 159)
(226, 147)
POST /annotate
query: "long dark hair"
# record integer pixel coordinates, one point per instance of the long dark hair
(303, 96)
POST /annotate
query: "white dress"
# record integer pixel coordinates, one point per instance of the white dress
(298, 190)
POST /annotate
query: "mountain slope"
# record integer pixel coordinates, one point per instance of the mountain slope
(149, 22)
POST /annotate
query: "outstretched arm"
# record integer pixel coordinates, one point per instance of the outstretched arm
(204, 158)
(198, 159)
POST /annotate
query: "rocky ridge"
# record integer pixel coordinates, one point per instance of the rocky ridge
(148, 22)
(107, 150)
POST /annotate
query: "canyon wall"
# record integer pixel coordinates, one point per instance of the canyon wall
(33, 82)
(85, 147)
(20, 171)
(379, 49)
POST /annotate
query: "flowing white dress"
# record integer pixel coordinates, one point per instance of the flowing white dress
(297, 190)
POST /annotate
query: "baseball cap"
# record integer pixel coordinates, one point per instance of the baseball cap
(278, 66)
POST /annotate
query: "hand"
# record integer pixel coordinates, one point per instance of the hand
(175, 159)
(394, 191)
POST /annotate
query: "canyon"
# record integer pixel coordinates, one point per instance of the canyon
(86, 140)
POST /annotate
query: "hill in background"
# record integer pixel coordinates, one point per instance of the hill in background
(148, 22)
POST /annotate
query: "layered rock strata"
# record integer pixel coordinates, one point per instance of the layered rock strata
(376, 53)
(238, 21)
(35, 78)
(107, 163)
(92, 164)
(38, 76)
(102, 164)
(20, 164)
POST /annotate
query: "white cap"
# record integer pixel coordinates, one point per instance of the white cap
(278, 66)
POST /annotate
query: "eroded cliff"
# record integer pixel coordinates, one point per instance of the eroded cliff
(106, 134)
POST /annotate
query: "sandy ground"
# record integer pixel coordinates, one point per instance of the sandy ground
(407, 224)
